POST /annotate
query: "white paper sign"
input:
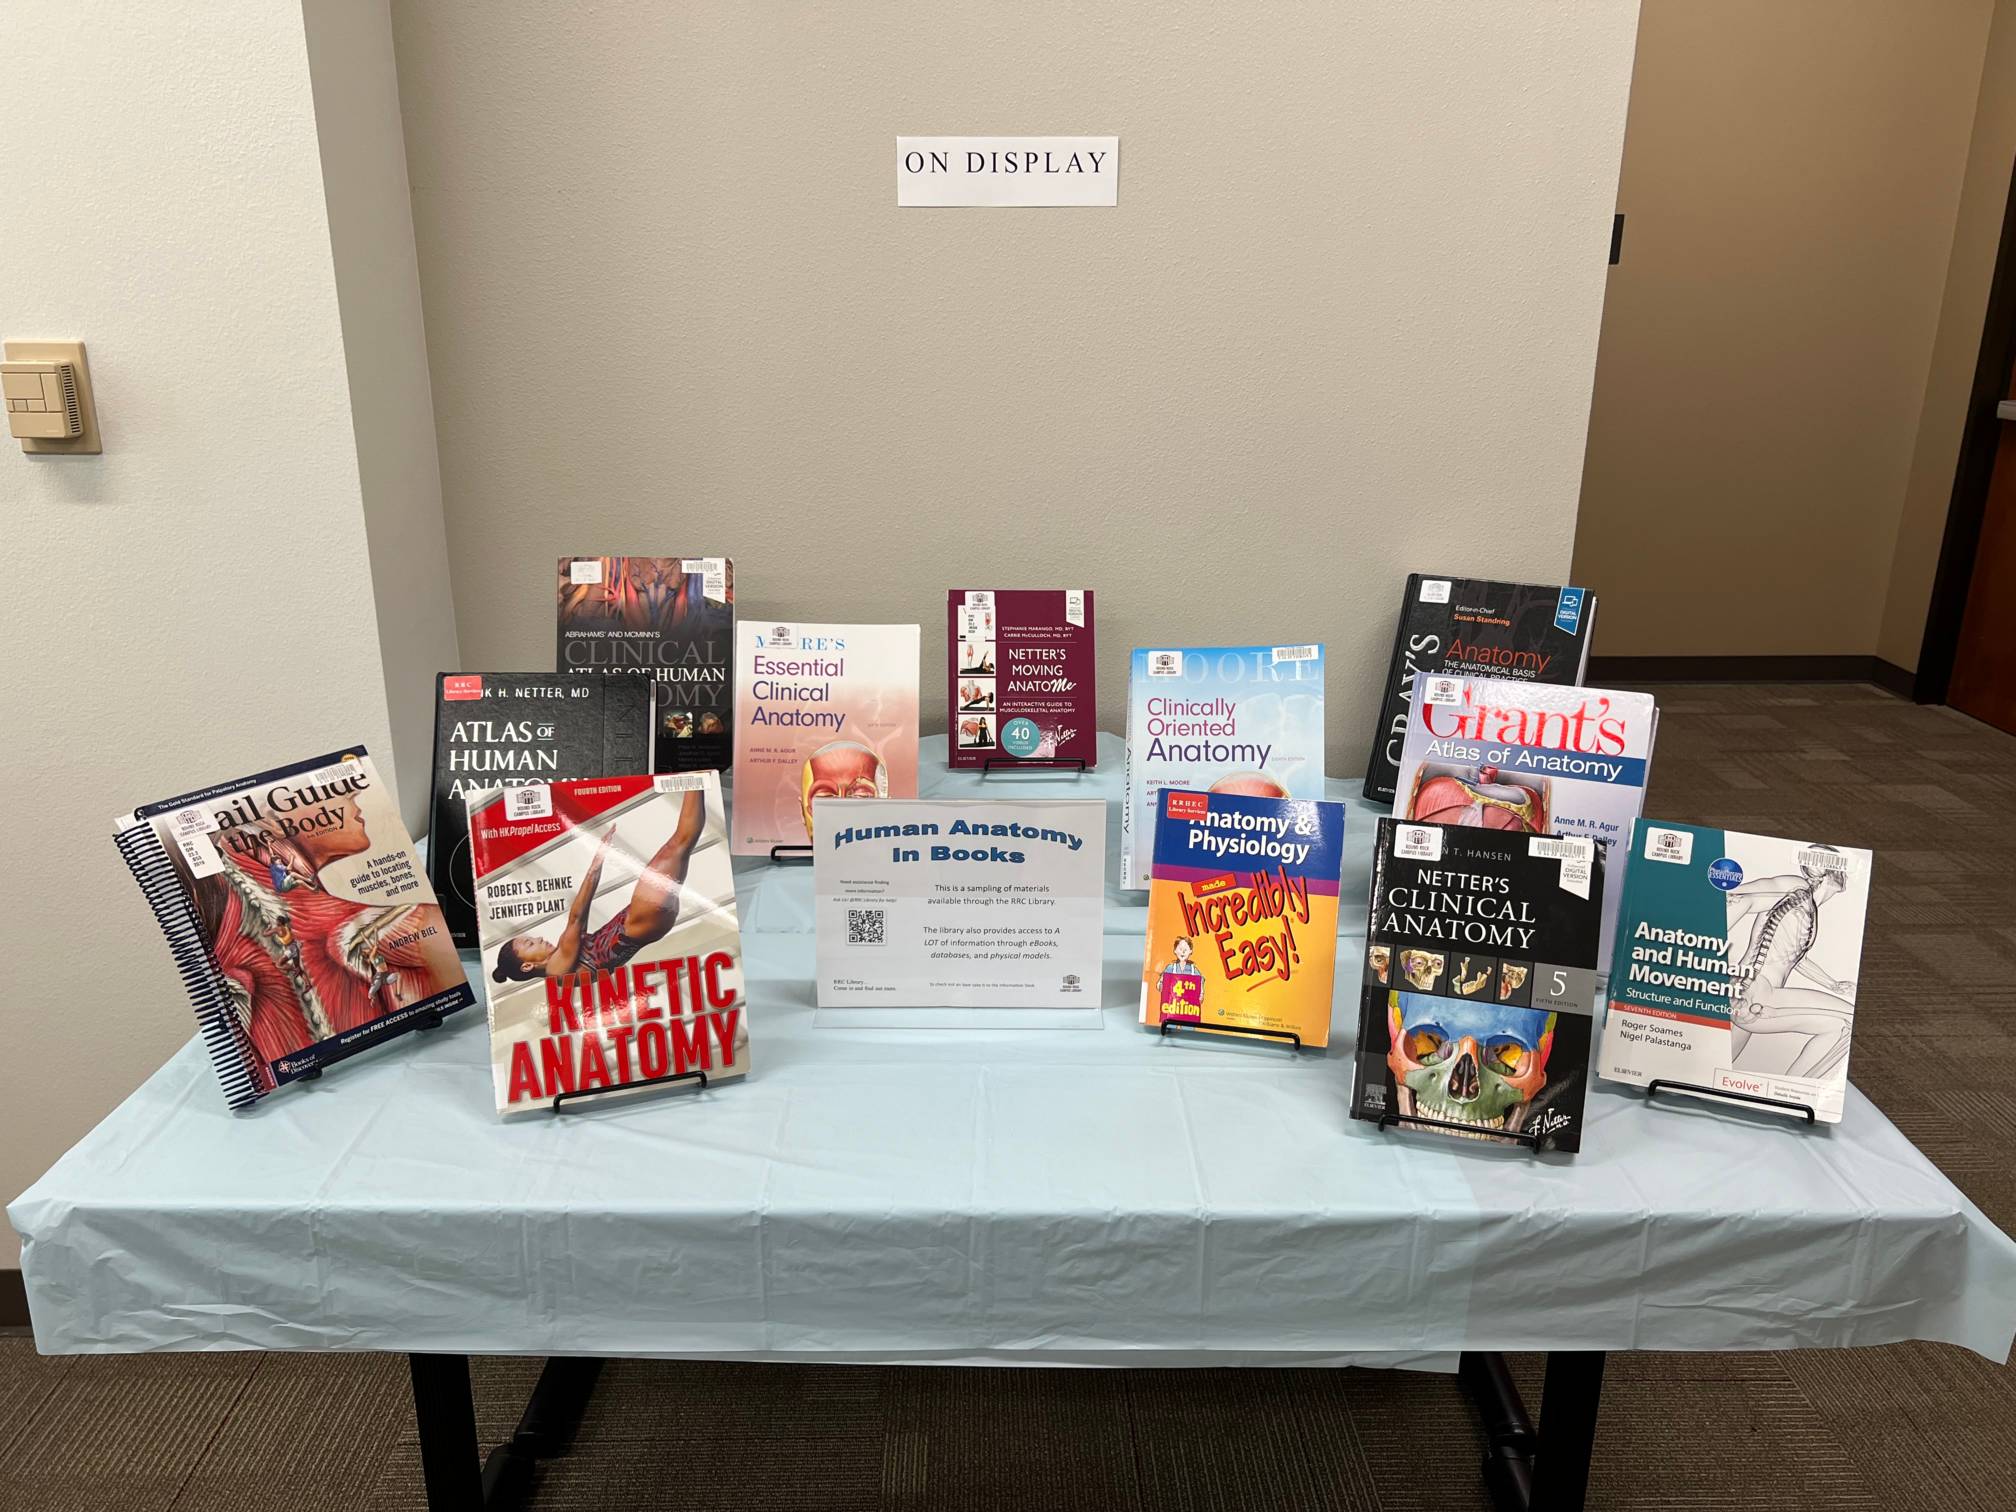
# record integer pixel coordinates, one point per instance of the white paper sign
(989, 170)
(958, 904)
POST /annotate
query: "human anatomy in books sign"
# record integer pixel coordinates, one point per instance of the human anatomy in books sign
(951, 904)
(1006, 171)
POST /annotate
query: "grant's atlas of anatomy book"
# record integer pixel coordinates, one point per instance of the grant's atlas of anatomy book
(1223, 719)
(1468, 626)
(1019, 677)
(1242, 913)
(821, 711)
(1531, 758)
(493, 729)
(610, 938)
(671, 619)
(299, 917)
(1736, 963)
(1479, 982)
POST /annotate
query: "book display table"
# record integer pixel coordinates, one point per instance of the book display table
(1043, 1196)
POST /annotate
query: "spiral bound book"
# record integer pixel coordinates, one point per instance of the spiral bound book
(299, 916)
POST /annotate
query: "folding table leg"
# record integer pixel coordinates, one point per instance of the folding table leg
(446, 1415)
(1544, 1469)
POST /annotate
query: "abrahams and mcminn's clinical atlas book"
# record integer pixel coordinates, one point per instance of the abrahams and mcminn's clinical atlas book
(670, 619)
(1470, 626)
(610, 939)
(822, 711)
(1224, 719)
(496, 729)
(298, 915)
(1531, 758)
(1479, 982)
(1736, 962)
(1242, 914)
(1020, 680)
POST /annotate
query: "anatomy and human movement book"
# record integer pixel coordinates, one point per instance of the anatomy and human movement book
(494, 729)
(610, 937)
(1532, 758)
(671, 619)
(821, 711)
(1222, 719)
(1473, 627)
(1019, 677)
(1479, 982)
(1242, 913)
(299, 917)
(1736, 963)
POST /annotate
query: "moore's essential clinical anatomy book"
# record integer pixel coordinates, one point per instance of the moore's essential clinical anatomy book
(822, 711)
(1532, 758)
(1222, 719)
(1470, 626)
(1020, 681)
(1736, 963)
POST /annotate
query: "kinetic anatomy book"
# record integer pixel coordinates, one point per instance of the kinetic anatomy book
(498, 728)
(300, 920)
(1736, 963)
(1019, 677)
(1242, 913)
(610, 935)
(671, 619)
(1531, 758)
(1479, 981)
(1222, 719)
(822, 711)
(1470, 626)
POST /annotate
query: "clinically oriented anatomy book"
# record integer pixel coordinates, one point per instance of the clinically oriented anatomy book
(1225, 719)
(610, 937)
(1470, 626)
(1019, 677)
(1531, 758)
(1242, 913)
(822, 711)
(1737, 957)
(1479, 982)
(299, 917)
(499, 728)
(668, 618)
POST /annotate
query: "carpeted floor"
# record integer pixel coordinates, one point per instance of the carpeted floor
(1900, 1428)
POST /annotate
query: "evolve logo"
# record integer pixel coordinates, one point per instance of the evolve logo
(1725, 874)
(1568, 610)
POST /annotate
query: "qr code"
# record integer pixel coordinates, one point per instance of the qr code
(865, 925)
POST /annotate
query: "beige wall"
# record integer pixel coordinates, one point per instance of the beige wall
(1984, 196)
(1792, 179)
(1341, 325)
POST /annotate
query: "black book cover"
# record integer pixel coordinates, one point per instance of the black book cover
(1479, 983)
(671, 619)
(1478, 629)
(511, 728)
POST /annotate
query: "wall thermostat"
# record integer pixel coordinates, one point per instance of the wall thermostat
(47, 392)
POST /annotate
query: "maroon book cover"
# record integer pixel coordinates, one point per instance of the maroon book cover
(1019, 677)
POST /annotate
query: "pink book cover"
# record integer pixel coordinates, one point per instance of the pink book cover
(1019, 670)
(821, 711)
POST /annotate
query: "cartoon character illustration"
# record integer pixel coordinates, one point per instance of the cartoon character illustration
(1478, 800)
(1787, 914)
(1511, 978)
(652, 911)
(1477, 1064)
(1421, 967)
(840, 769)
(1179, 985)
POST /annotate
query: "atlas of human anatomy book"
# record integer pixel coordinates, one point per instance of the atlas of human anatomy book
(1479, 982)
(1020, 677)
(1532, 758)
(610, 939)
(497, 728)
(1242, 913)
(299, 917)
(671, 619)
(1222, 719)
(1737, 958)
(1469, 626)
(821, 711)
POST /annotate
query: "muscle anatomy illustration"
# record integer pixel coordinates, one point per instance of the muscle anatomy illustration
(1786, 914)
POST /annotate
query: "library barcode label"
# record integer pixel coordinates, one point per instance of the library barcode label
(865, 926)
(1294, 653)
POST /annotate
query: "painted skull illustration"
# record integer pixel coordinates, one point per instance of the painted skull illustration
(1511, 978)
(1467, 1063)
(1380, 957)
(1421, 967)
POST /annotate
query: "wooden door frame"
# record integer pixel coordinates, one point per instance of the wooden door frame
(1979, 442)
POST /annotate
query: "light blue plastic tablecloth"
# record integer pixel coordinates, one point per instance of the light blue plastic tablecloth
(1048, 1196)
